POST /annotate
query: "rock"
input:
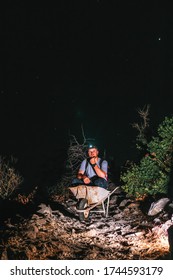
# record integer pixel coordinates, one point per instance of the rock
(171, 205)
(32, 232)
(113, 199)
(125, 234)
(124, 203)
(4, 255)
(45, 210)
(157, 221)
(157, 207)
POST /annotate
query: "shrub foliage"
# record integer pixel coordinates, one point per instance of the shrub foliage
(9, 179)
(151, 175)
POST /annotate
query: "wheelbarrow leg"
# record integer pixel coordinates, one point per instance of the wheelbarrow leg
(107, 207)
(106, 211)
(103, 206)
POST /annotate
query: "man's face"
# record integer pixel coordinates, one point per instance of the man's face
(93, 152)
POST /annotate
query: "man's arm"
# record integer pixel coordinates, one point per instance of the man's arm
(99, 171)
(81, 175)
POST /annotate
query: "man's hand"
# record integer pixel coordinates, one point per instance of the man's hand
(93, 160)
(86, 180)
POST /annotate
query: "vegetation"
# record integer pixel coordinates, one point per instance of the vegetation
(151, 174)
(75, 154)
(9, 179)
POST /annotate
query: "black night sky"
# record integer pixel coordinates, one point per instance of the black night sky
(90, 63)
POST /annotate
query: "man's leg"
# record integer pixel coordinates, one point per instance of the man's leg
(77, 182)
(101, 182)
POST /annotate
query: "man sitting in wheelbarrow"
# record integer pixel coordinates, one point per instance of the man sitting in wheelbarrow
(93, 170)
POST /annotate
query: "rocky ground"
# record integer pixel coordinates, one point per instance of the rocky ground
(54, 231)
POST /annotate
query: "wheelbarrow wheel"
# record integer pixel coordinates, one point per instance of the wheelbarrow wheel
(83, 216)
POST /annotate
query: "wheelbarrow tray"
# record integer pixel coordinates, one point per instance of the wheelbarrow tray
(93, 194)
(90, 197)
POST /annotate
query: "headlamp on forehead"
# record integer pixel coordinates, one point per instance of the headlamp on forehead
(91, 146)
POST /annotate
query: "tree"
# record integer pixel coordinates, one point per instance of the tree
(152, 174)
(142, 128)
(75, 154)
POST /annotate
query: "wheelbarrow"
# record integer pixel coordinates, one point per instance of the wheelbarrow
(90, 197)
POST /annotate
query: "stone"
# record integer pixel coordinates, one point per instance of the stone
(158, 206)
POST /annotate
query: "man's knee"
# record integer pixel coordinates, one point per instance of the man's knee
(101, 183)
(76, 181)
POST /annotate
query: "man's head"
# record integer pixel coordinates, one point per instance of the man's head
(93, 151)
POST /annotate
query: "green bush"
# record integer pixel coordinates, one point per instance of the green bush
(151, 175)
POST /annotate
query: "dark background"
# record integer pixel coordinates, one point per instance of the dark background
(89, 63)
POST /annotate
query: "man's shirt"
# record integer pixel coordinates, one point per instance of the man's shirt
(89, 170)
